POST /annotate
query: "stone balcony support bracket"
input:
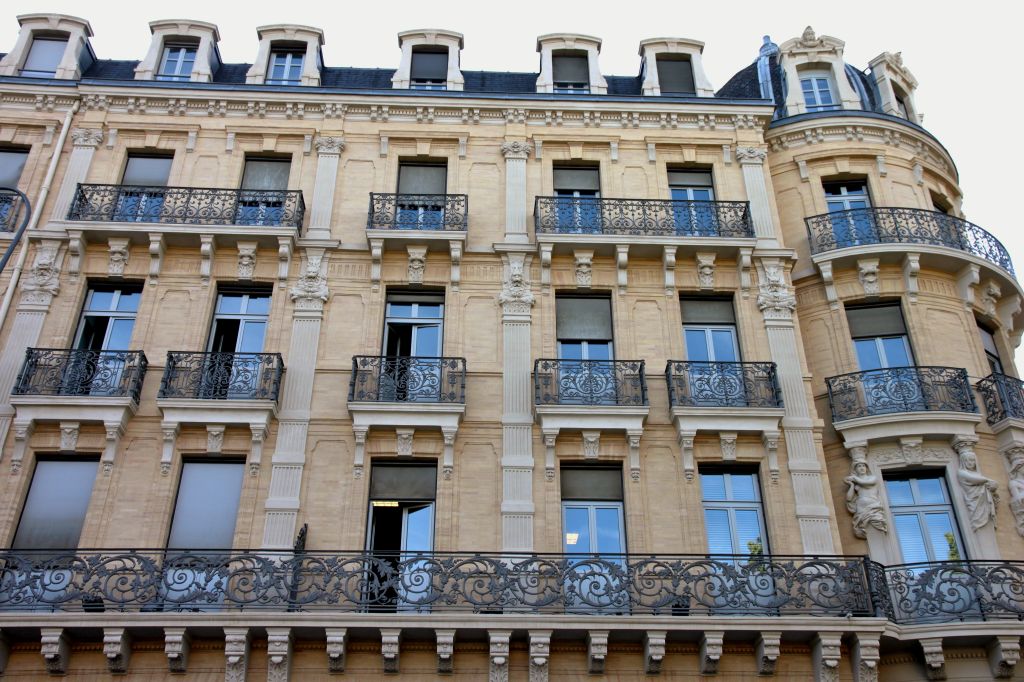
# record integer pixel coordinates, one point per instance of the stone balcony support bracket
(592, 421)
(177, 643)
(117, 647)
(336, 641)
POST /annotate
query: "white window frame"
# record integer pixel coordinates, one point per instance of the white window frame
(920, 510)
(178, 52)
(814, 78)
(293, 58)
(732, 506)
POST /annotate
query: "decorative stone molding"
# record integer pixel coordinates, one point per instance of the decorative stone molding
(863, 498)
(177, 644)
(87, 137)
(911, 270)
(978, 491)
(376, 258)
(117, 647)
(711, 652)
(1009, 307)
(597, 650)
(42, 282)
(310, 291)
(359, 434)
(867, 273)
(545, 265)
(727, 443)
(76, 252)
(515, 297)
(668, 265)
(215, 438)
(168, 31)
(119, 254)
(825, 650)
(448, 457)
(547, 44)
(69, 436)
(966, 279)
(705, 271)
(767, 651)
(584, 267)
(770, 441)
(499, 651)
(445, 650)
(236, 654)
(327, 144)
(591, 444)
(169, 430)
(279, 654)
(157, 248)
(417, 263)
(1015, 465)
(404, 442)
(390, 642)
(23, 429)
(1003, 655)
(989, 299)
(284, 260)
(934, 659)
(112, 431)
(751, 155)
(654, 650)
(685, 440)
(622, 266)
(775, 299)
(549, 455)
(336, 640)
(827, 276)
(743, 265)
(56, 650)
(517, 149)
(207, 250)
(865, 657)
(652, 48)
(246, 260)
(540, 654)
(633, 440)
(455, 252)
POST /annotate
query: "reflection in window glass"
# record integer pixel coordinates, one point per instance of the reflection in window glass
(54, 511)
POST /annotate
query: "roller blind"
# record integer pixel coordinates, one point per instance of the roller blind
(12, 162)
(707, 311)
(44, 56)
(207, 505)
(675, 76)
(570, 179)
(583, 318)
(266, 174)
(429, 65)
(422, 179)
(689, 178)
(882, 320)
(403, 482)
(591, 483)
(57, 501)
(570, 68)
(147, 170)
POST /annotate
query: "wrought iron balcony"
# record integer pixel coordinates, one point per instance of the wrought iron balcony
(590, 382)
(899, 389)
(1003, 397)
(955, 590)
(222, 376)
(407, 380)
(642, 217)
(188, 206)
(436, 212)
(11, 207)
(97, 373)
(347, 582)
(861, 226)
(722, 384)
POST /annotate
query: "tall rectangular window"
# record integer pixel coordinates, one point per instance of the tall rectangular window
(43, 57)
(207, 505)
(12, 162)
(422, 186)
(583, 325)
(263, 180)
(58, 498)
(571, 72)
(817, 90)
(234, 367)
(675, 75)
(577, 192)
(988, 342)
(176, 62)
(709, 329)
(285, 67)
(592, 516)
(108, 317)
(923, 518)
(412, 369)
(693, 193)
(852, 223)
(141, 198)
(429, 69)
(733, 513)
(879, 336)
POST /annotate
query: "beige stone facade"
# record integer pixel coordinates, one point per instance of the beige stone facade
(814, 602)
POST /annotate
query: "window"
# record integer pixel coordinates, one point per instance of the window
(940, 204)
(413, 332)
(571, 72)
(592, 525)
(140, 198)
(853, 222)
(709, 329)
(901, 103)
(693, 212)
(879, 336)
(58, 498)
(817, 90)
(429, 69)
(43, 57)
(234, 368)
(285, 67)
(12, 162)
(261, 201)
(923, 518)
(675, 75)
(733, 515)
(577, 199)
(105, 329)
(177, 62)
(421, 187)
(583, 325)
(988, 342)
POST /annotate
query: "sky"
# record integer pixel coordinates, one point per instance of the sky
(960, 53)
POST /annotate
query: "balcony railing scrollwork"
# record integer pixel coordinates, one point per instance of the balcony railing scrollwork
(407, 379)
(439, 212)
(188, 206)
(222, 376)
(11, 207)
(956, 590)
(618, 383)
(80, 372)
(895, 390)
(642, 217)
(722, 384)
(861, 226)
(1003, 397)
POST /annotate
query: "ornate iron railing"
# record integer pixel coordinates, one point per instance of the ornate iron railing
(860, 226)
(407, 380)
(1003, 397)
(225, 580)
(589, 382)
(11, 206)
(445, 212)
(722, 384)
(647, 217)
(222, 376)
(99, 373)
(899, 389)
(956, 590)
(188, 206)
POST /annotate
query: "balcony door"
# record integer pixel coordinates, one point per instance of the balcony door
(594, 538)
(422, 187)
(853, 224)
(105, 331)
(234, 368)
(141, 199)
(261, 199)
(413, 336)
(709, 332)
(586, 351)
(889, 380)
(693, 210)
(578, 206)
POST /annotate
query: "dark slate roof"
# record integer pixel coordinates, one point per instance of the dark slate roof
(624, 85)
(112, 69)
(350, 77)
(231, 73)
(499, 81)
(743, 84)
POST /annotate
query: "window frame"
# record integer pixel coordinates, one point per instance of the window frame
(428, 83)
(162, 73)
(570, 87)
(815, 77)
(26, 72)
(290, 54)
(733, 505)
(920, 510)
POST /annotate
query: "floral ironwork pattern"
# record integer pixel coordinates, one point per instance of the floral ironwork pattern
(590, 382)
(649, 217)
(222, 376)
(444, 212)
(188, 206)
(11, 206)
(1003, 397)
(956, 590)
(899, 389)
(172, 580)
(722, 384)
(406, 379)
(859, 226)
(101, 373)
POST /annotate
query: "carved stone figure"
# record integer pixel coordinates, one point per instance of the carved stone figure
(1017, 492)
(979, 492)
(515, 296)
(862, 500)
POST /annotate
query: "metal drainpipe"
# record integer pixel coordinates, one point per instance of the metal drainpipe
(44, 192)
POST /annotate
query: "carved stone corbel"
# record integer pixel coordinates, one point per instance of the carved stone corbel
(549, 454)
(865, 657)
(597, 650)
(113, 432)
(215, 438)
(685, 439)
(1003, 655)
(911, 269)
(867, 273)
(591, 444)
(705, 271)
(117, 647)
(207, 250)
(448, 458)
(622, 266)
(654, 650)
(498, 650)
(336, 639)
(455, 249)
(445, 650)
(246, 260)
(360, 452)
(157, 249)
(118, 257)
(545, 265)
(711, 652)
(279, 654)
(540, 653)
(668, 263)
(404, 442)
(767, 652)
(169, 430)
(69, 436)
(830, 284)
(76, 252)
(934, 659)
(56, 650)
(770, 440)
(633, 439)
(23, 429)
(727, 443)
(258, 436)
(584, 267)
(744, 262)
(966, 279)
(236, 654)
(284, 260)
(989, 299)
(417, 262)
(1009, 307)
(177, 643)
(826, 654)
(390, 642)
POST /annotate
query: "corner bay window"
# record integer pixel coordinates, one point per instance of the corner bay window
(429, 69)
(44, 57)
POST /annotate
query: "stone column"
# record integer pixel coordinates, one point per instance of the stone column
(85, 141)
(777, 304)
(38, 287)
(751, 160)
(517, 508)
(282, 505)
(516, 153)
(328, 150)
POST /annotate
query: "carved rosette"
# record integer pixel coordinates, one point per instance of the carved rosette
(516, 149)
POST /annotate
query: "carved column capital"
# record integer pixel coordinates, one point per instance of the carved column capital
(327, 144)
(517, 149)
(86, 137)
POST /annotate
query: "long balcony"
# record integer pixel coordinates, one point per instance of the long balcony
(642, 217)
(222, 376)
(430, 212)
(1002, 396)
(96, 373)
(188, 206)
(407, 380)
(610, 383)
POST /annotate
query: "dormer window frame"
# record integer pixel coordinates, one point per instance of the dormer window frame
(433, 40)
(43, 37)
(182, 47)
(895, 85)
(293, 40)
(655, 50)
(551, 44)
(429, 83)
(294, 61)
(76, 57)
(578, 86)
(811, 80)
(169, 34)
(814, 56)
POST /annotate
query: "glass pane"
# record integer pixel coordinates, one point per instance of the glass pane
(583, 318)
(570, 351)
(399, 309)
(207, 505)
(911, 539)
(400, 482)
(744, 487)
(43, 57)
(266, 174)
(422, 179)
(595, 350)
(896, 352)
(724, 345)
(748, 532)
(577, 529)
(942, 537)
(229, 304)
(707, 311)
(428, 310)
(147, 170)
(120, 336)
(609, 538)
(697, 345)
(929, 491)
(56, 504)
(591, 483)
(100, 300)
(418, 528)
(701, 194)
(899, 493)
(716, 522)
(867, 354)
(429, 65)
(128, 302)
(258, 305)
(11, 164)
(427, 341)
(713, 486)
(251, 340)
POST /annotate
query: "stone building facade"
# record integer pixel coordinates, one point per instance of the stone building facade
(320, 372)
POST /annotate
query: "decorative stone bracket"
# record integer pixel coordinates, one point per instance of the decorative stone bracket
(934, 659)
(445, 650)
(711, 645)
(177, 643)
(1003, 656)
(236, 654)
(336, 640)
(540, 654)
(597, 650)
(767, 652)
(117, 647)
(498, 641)
(390, 643)
(654, 650)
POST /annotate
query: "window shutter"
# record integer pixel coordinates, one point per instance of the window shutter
(12, 162)
(147, 170)
(44, 55)
(883, 320)
(56, 505)
(591, 484)
(429, 65)
(422, 179)
(707, 311)
(403, 482)
(570, 69)
(675, 76)
(572, 179)
(689, 178)
(207, 506)
(266, 174)
(583, 318)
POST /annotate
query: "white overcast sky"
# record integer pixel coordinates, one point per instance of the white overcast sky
(963, 54)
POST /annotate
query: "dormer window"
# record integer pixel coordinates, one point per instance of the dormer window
(817, 91)
(571, 71)
(177, 62)
(675, 75)
(429, 70)
(285, 67)
(44, 57)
